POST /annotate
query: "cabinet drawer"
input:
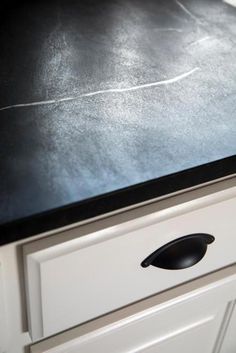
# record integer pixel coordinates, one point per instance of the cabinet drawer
(187, 319)
(78, 280)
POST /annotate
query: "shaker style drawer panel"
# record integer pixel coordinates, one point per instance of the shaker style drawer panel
(181, 321)
(81, 279)
(191, 338)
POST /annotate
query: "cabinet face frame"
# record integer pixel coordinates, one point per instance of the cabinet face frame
(218, 289)
(3, 316)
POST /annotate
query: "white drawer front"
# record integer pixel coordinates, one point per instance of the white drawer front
(196, 333)
(81, 279)
(191, 322)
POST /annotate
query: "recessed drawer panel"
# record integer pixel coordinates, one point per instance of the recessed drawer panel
(78, 280)
(188, 318)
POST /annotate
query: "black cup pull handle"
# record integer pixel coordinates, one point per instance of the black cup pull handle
(181, 253)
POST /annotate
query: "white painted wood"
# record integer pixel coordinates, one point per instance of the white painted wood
(192, 339)
(3, 318)
(198, 336)
(78, 280)
(187, 323)
(229, 342)
(11, 256)
(230, 2)
(224, 327)
(17, 337)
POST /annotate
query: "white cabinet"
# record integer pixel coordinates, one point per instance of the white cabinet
(3, 321)
(189, 318)
(81, 279)
(90, 275)
(229, 343)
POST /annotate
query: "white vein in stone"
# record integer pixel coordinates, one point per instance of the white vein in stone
(199, 41)
(169, 29)
(105, 91)
(187, 11)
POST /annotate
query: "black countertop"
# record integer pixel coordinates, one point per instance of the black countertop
(104, 104)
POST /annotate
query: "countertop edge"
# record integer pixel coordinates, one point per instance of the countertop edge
(97, 206)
